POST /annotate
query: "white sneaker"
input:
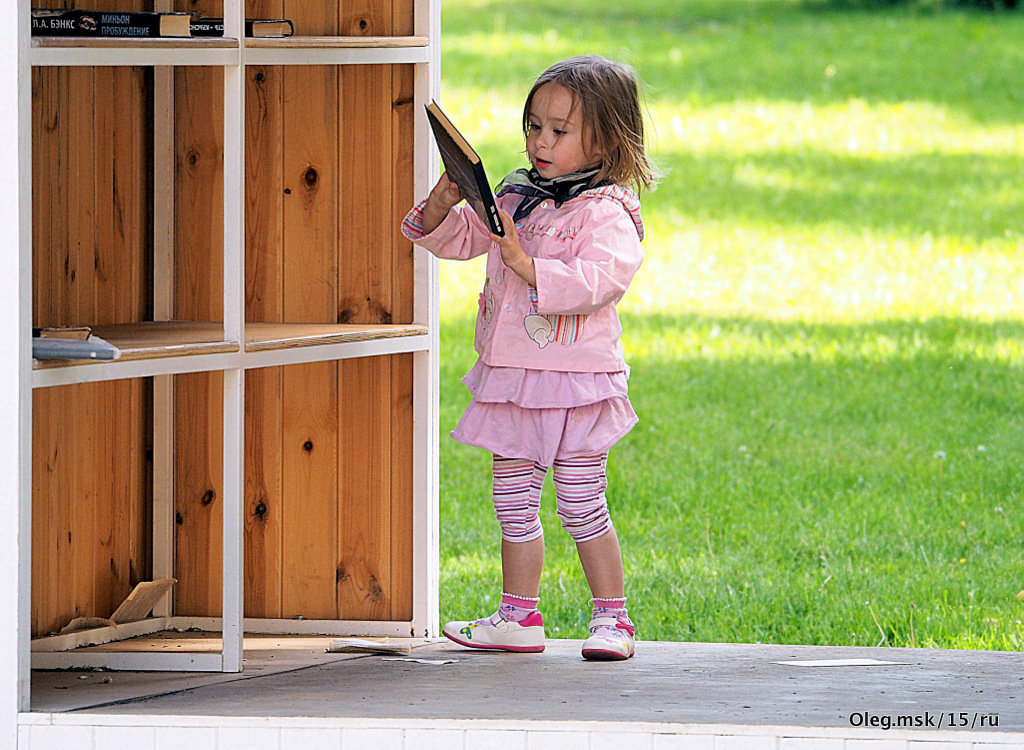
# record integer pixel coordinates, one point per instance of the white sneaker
(499, 635)
(608, 641)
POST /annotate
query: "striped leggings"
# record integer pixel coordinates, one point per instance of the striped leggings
(579, 492)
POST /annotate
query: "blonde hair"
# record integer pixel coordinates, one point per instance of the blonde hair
(608, 98)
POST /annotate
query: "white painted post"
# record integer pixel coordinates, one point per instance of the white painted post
(234, 330)
(15, 371)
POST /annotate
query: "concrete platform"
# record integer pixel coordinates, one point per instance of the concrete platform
(671, 695)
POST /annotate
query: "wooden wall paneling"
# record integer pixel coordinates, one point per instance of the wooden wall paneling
(402, 273)
(403, 17)
(264, 501)
(364, 499)
(402, 187)
(124, 195)
(313, 17)
(198, 290)
(365, 201)
(401, 530)
(49, 538)
(309, 490)
(49, 209)
(366, 18)
(264, 271)
(198, 484)
(212, 8)
(310, 396)
(199, 193)
(311, 194)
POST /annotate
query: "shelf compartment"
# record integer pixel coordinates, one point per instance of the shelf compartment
(155, 340)
(148, 348)
(50, 51)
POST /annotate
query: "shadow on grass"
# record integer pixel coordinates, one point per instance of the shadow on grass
(705, 52)
(784, 473)
(965, 195)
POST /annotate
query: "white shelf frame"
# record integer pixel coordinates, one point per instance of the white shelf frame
(233, 54)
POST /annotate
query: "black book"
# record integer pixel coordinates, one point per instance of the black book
(464, 168)
(254, 27)
(101, 23)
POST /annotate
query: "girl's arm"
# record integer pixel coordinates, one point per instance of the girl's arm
(443, 198)
(446, 230)
(608, 255)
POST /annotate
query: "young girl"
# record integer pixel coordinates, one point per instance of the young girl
(549, 388)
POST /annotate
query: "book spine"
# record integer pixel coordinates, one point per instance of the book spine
(86, 23)
(254, 27)
(207, 27)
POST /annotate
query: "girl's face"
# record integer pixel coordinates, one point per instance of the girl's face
(556, 141)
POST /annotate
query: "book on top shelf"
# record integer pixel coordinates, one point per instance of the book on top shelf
(254, 27)
(464, 168)
(101, 23)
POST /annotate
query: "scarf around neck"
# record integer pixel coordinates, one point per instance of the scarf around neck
(535, 189)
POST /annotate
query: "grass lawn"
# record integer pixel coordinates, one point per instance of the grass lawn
(827, 336)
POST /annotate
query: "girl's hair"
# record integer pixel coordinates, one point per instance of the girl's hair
(608, 98)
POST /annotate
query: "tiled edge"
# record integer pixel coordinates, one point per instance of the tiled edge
(40, 731)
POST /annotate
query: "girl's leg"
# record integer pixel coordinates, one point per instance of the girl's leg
(517, 625)
(521, 567)
(580, 485)
(602, 565)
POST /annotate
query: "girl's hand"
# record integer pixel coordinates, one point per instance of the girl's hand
(443, 197)
(512, 254)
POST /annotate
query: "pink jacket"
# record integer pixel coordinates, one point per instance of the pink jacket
(585, 253)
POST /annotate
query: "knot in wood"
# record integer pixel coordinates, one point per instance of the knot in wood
(260, 511)
(308, 446)
(310, 177)
(207, 497)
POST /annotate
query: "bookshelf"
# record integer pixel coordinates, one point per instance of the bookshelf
(226, 211)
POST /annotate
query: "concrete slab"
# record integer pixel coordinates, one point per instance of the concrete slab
(676, 683)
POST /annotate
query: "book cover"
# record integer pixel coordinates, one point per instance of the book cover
(254, 27)
(464, 168)
(71, 343)
(93, 23)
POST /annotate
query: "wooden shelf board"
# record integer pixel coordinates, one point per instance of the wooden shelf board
(153, 340)
(267, 336)
(336, 42)
(60, 42)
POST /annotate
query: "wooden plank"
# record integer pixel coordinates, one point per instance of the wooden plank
(264, 502)
(264, 207)
(403, 17)
(49, 545)
(366, 207)
(264, 301)
(364, 467)
(402, 490)
(313, 17)
(198, 483)
(310, 490)
(403, 191)
(366, 18)
(199, 188)
(311, 194)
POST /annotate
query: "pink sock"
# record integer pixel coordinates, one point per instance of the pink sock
(617, 609)
(516, 608)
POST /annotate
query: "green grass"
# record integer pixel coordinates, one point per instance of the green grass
(827, 336)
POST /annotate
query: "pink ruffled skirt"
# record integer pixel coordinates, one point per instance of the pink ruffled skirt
(544, 415)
